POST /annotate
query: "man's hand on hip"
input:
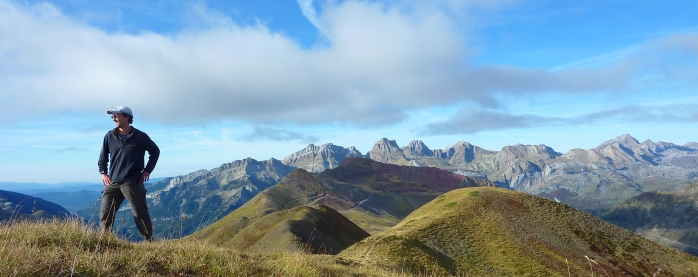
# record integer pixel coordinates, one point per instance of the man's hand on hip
(106, 180)
(145, 176)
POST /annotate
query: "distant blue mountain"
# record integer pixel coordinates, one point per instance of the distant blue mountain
(73, 200)
(32, 188)
(16, 205)
(70, 195)
(27, 186)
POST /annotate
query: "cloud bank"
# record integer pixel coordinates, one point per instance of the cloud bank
(382, 62)
(277, 134)
(471, 121)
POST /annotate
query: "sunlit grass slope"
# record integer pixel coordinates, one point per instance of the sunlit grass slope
(497, 232)
(71, 248)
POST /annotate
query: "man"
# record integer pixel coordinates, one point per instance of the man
(124, 149)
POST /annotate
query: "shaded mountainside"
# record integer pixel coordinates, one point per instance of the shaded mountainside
(316, 230)
(498, 232)
(16, 205)
(589, 179)
(181, 205)
(670, 219)
(373, 195)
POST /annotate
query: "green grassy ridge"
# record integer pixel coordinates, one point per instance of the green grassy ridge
(69, 247)
(304, 229)
(498, 232)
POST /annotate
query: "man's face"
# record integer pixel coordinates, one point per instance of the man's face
(120, 120)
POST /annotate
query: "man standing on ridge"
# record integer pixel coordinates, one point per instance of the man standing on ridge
(124, 149)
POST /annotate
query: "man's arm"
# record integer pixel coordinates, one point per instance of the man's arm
(153, 155)
(104, 160)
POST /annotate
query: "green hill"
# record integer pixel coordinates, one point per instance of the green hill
(300, 229)
(670, 219)
(498, 232)
(373, 195)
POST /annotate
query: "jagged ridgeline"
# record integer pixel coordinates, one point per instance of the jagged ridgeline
(21, 206)
(372, 195)
(670, 219)
(489, 231)
(592, 180)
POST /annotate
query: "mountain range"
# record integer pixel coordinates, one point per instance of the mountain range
(440, 211)
(589, 179)
(593, 180)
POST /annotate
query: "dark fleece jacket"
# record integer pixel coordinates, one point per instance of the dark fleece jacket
(126, 163)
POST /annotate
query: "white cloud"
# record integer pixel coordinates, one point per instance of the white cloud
(276, 134)
(382, 62)
(309, 13)
(471, 121)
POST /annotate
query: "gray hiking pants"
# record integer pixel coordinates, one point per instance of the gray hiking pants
(112, 197)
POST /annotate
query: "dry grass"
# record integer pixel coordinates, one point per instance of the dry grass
(72, 248)
(497, 232)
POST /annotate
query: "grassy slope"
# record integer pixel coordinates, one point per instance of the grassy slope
(69, 247)
(301, 229)
(493, 231)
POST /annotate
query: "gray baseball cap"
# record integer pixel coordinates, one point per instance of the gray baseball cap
(121, 110)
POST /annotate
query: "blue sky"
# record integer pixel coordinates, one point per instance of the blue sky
(216, 81)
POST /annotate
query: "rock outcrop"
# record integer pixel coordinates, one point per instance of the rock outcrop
(318, 158)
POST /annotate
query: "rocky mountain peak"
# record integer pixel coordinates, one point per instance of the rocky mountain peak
(657, 147)
(386, 151)
(356, 152)
(417, 148)
(691, 145)
(626, 141)
(460, 144)
(461, 153)
(531, 152)
(244, 163)
(196, 175)
(318, 158)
